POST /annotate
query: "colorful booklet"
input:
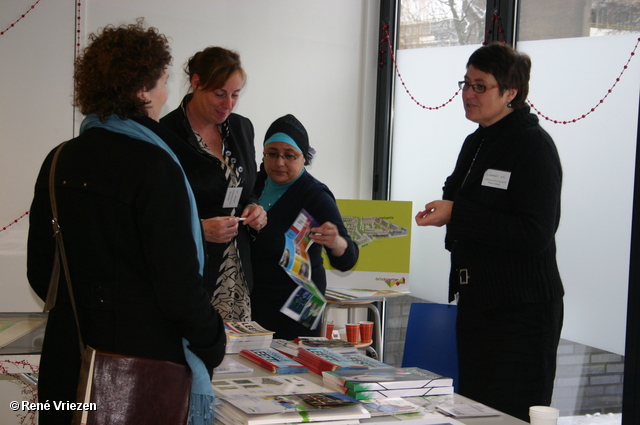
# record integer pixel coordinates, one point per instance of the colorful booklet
(319, 359)
(273, 361)
(280, 409)
(386, 379)
(306, 303)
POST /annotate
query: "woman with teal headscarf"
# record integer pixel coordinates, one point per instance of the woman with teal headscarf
(284, 188)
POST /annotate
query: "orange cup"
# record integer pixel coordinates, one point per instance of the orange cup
(366, 332)
(329, 332)
(353, 332)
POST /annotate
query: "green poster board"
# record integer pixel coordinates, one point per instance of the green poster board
(382, 230)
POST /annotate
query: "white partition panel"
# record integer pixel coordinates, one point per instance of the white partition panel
(569, 77)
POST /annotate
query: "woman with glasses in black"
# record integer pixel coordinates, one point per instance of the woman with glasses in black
(285, 187)
(501, 206)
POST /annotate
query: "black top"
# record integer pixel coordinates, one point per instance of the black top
(209, 183)
(503, 238)
(126, 221)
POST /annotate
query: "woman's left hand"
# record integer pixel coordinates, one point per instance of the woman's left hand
(328, 235)
(255, 216)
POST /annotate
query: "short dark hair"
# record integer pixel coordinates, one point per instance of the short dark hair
(510, 68)
(214, 66)
(118, 63)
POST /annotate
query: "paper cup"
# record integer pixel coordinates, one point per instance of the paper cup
(366, 332)
(329, 332)
(543, 415)
(353, 332)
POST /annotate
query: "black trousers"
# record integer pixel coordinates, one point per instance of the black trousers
(507, 355)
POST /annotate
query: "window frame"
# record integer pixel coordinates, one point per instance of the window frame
(508, 10)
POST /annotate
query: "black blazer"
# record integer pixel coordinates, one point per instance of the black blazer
(209, 184)
(125, 217)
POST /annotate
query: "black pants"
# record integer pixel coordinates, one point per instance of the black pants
(507, 355)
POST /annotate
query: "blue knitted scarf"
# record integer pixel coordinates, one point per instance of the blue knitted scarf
(202, 398)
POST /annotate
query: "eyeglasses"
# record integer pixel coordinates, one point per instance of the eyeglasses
(287, 157)
(478, 88)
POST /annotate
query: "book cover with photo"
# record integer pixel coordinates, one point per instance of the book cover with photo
(283, 409)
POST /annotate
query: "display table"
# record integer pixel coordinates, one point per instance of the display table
(387, 420)
(21, 337)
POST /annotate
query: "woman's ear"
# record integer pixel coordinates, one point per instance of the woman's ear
(511, 94)
(195, 82)
(142, 95)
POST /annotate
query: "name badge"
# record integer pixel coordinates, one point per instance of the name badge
(496, 178)
(232, 197)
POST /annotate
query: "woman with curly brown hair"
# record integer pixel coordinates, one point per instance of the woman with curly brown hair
(131, 231)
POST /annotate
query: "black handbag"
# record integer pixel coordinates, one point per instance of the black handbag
(115, 388)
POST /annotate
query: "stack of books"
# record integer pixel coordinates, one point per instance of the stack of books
(389, 382)
(328, 408)
(246, 335)
(273, 360)
(320, 359)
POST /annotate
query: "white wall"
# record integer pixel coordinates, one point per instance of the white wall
(315, 59)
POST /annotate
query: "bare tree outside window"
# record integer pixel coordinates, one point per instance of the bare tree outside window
(439, 23)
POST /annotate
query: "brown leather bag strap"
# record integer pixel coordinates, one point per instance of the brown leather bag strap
(60, 255)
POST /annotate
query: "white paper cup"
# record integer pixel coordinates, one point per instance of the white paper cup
(543, 415)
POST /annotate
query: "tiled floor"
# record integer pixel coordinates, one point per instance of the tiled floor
(597, 419)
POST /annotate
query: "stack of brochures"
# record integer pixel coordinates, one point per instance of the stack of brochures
(281, 409)
(384, 383)
(246, 335)
(273, 361)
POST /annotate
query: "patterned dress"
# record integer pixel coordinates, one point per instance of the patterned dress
(231, 293)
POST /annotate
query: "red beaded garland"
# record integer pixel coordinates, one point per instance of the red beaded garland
(14, 221)
(496, 18)
(20, 18)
